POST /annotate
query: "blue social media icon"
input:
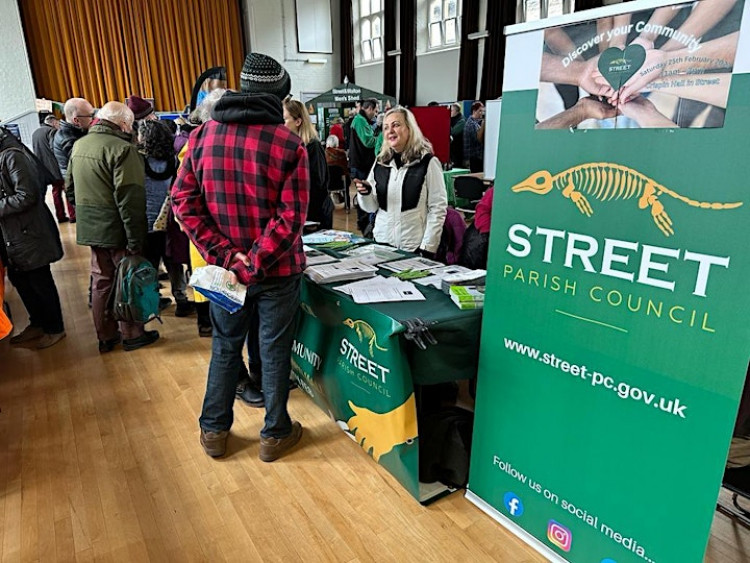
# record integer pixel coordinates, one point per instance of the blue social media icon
(513, 504)
(608, 560)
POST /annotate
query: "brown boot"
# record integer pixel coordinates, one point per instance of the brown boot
(273, 448)
(214, 443)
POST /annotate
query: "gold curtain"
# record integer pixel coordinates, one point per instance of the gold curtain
(105, 50)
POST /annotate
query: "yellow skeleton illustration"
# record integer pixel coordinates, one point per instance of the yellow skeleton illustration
(605, 181)
(365, 333)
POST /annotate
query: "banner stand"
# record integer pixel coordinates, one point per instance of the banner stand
(513, 528)
(615, 341)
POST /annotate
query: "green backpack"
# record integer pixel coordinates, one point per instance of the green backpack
(135, 297)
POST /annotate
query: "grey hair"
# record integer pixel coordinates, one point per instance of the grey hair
(116, 112)
(203, 111)
(332, 141)
(72, 107)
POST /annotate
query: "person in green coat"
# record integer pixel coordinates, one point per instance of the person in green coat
(105, 181)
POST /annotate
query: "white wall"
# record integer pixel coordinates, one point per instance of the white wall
(17, 92)
(370, 76)
(271, 28)
(437, 77)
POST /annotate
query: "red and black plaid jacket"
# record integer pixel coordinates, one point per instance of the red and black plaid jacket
(245, 188)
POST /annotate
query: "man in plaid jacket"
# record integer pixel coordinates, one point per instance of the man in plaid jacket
(242, 195)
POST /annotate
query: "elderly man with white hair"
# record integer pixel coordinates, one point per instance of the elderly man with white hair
(79, 114)
(110, 199)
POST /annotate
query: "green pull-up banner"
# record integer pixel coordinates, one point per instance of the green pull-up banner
(616, 331)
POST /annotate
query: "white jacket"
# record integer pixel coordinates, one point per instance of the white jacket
(410, 202)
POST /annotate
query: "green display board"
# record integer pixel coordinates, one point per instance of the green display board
(615, 336)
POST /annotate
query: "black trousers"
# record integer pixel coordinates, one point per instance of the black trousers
(476, 165)
(39, 295)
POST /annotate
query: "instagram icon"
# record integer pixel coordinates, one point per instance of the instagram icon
(559, 535)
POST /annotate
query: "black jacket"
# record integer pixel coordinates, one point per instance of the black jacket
(62, 145)
(28, 232)
(321, 207)
(41, 142)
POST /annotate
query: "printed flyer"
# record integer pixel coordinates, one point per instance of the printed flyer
(615, 339)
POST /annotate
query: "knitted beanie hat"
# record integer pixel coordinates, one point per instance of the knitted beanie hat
(140, 107)
(262, 74)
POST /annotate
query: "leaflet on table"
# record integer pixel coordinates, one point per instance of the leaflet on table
(415, 264)
(374, 254)
(314, 257)
(472, 277)
(345, 270)
(437, 274)
(218, 286)
(332, 235)
(380, 290)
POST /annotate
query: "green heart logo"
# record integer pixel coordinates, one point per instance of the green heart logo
(617, 65)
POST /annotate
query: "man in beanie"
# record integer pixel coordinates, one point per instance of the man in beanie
(242, 195)
(143, 110)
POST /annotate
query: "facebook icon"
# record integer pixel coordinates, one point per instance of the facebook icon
(513, 504)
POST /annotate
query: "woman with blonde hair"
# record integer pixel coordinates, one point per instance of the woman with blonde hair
(405, 187)
(298, 121)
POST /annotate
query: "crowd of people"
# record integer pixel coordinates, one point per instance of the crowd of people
(232, 186)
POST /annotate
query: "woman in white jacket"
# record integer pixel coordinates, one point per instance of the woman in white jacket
(405, 187)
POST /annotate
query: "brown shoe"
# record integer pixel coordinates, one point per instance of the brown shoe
(27, 335)
(273, 448)
(49, 340)
(214, 443)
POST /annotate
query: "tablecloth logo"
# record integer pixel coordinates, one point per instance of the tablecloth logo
(606, 181)
(365, 333)
(379, 433)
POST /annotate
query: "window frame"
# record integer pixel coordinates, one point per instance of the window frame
(442, 26)
(374, 43)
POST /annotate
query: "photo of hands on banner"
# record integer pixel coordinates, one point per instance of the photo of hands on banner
(664, 68)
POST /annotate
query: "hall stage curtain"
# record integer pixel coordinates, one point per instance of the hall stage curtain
(109, 50)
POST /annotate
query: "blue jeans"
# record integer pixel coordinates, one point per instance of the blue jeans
(276, 302)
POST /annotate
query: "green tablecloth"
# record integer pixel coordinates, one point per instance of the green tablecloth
(449, 176)
(358, 366)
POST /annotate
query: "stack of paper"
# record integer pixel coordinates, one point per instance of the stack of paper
(381, 290)
(414, 264)
(467, 296)
(345, 270)
(315, 257)
(332, 235)
(374, 254)
(437, 274)
(473, 277)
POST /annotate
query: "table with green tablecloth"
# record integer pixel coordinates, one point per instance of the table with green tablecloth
(360, 365)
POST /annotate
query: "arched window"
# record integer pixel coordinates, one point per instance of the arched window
(443, 23)
(532, 10)
(371, 30)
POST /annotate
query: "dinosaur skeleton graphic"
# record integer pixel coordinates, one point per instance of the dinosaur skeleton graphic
(605, 181)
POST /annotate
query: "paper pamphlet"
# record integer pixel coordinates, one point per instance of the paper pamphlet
(417, 263)
(381, 290)
(314, 257)
(374, 254)
(215, 283)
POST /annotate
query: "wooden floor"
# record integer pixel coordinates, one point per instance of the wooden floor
(99, 460)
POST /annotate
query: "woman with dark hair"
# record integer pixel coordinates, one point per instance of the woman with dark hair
(156, 143)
